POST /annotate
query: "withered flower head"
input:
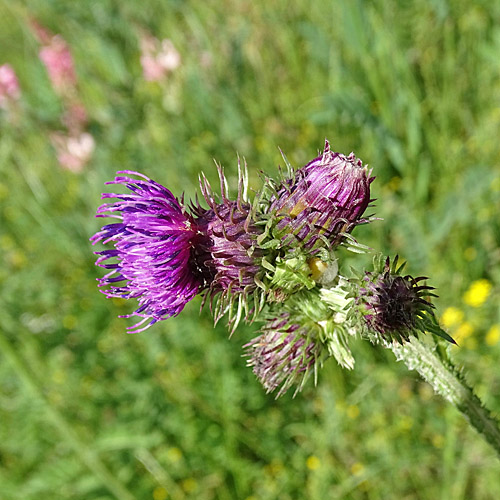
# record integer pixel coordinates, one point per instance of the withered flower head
(282, 355)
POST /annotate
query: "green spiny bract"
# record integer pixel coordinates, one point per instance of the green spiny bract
(395, 306)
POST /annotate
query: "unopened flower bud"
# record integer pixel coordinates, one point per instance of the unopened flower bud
(323, 199)
(282, 355)
(297, 339)
(394, 305)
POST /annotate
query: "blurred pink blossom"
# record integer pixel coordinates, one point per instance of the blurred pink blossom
(9, 85)
(206, 59)
(75, 117)
(158, 58)
(74, 147)
(73, 152)
(57, 58)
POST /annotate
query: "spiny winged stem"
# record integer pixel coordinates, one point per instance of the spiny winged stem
(433, 365)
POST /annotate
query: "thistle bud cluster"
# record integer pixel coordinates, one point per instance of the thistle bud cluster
(274, 259)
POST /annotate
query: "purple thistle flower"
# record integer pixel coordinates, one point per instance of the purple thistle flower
(393, 304)
(323, 199)
(152, 259)
(226, 249)
(282, 355)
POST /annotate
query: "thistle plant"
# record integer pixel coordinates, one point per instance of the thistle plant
(274, 260)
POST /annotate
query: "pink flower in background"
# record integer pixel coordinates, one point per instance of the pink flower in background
(168, 56)
(57, 58)
(9, 85)
(73, 152)
(158, 58)
(75, 117)
(74, 147)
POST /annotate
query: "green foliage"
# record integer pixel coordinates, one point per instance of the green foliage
(89, 412)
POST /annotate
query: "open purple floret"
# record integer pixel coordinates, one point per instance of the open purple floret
(152, 255)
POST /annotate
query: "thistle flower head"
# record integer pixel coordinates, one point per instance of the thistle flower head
(226, 249)
(282, 355)
(394, 305)
(296, 340)
(152, 258)
(322, 200)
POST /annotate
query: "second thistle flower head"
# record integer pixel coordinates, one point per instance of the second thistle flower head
(323, 199)
(297, 338)
(394, 305)
(283, 354)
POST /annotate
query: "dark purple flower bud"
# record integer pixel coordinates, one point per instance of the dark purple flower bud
(393, 304)
(282, 355)
(152, 258)
(226, 250)
(325, 198)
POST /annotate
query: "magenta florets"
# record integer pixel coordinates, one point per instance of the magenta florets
(151, 259)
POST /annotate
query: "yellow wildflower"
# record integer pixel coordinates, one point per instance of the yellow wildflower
(313, 462)
(357, 468)
(189, 485)
(463, 331)
(452, 317)
(160, 493)
(477, 293)
(438, 440)
(174, 454)
(352, 411)
(493, 335)
(274, 468)
(405, 423)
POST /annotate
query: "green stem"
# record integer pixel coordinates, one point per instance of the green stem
(85, 453)
(435, 367)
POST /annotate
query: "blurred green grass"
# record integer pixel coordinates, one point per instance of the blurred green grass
(88, 412)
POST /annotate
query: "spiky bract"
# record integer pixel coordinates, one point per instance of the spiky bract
(227, 251)
(394, 305)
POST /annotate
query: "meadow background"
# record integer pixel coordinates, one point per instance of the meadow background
(89, 412)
